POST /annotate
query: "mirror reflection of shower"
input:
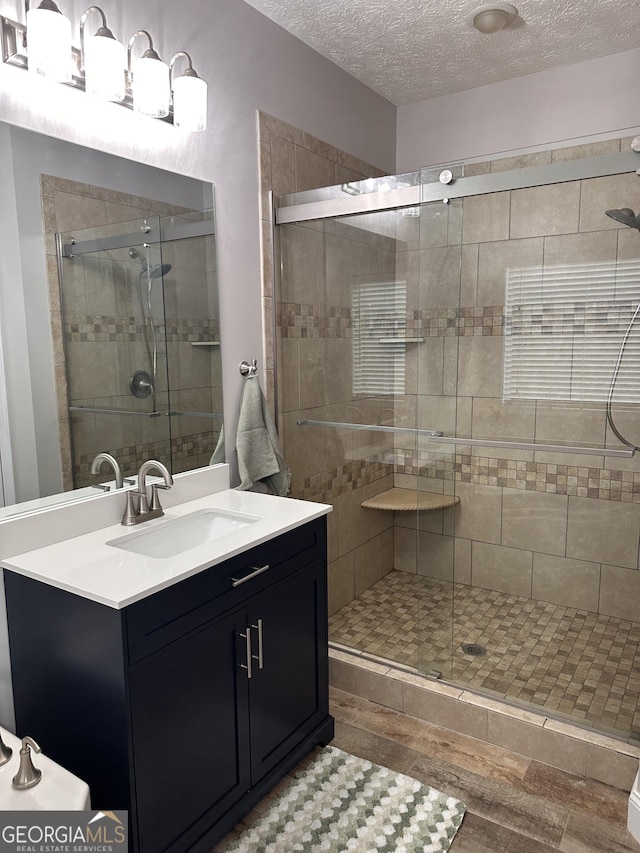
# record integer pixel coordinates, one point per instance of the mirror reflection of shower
(144, 383)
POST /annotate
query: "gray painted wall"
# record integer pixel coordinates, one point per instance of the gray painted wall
(589, 98)
(249, 63)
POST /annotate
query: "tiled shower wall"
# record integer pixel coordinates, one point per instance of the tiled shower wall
(313, 329)
(99, 343)
(556, 527)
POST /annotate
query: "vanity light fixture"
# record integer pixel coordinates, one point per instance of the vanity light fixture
(103, 60)
(149, 80)
(189, 92)
(49, 41)
(103, 67)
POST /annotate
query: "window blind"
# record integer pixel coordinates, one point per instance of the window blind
(378, 312)
(563, 330)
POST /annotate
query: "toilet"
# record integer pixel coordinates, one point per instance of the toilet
(57, 790)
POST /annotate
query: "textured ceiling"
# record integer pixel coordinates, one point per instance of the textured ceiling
(409, 50)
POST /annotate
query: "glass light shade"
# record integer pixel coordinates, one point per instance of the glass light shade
(105, 60)
(190, 103)
(49, 44)
(151, 88)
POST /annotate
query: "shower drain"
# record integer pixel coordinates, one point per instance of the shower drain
(473, 649)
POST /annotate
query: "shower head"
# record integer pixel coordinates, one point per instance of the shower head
(626, 216)
(161, 270)
(158, 271)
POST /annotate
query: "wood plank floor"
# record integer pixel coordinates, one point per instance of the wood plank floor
(514, 804)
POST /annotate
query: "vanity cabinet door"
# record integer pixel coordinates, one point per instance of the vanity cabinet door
(288, 694)
(190, 723)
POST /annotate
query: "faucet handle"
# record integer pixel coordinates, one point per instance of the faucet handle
(155, 500)
(27, 775)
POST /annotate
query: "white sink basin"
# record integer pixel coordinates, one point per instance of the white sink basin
(170, 537)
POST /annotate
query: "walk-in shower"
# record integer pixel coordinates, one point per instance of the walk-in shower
(445, 363)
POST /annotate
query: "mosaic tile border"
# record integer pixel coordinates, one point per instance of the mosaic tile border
(309, 320)
(346, 478)
(573, 480)
(300, 320)
(131, 457)
(102, 328)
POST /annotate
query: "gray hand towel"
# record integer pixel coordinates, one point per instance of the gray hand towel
(260, 458)
(218, 454)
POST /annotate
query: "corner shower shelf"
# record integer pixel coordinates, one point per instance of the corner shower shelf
(409, 500)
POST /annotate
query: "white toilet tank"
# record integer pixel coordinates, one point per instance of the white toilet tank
(57, 790)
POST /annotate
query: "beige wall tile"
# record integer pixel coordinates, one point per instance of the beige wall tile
(520, 161)
(495, 261)
(592, 247)
(603, 531)
(496, 419)
(368, 564)
(435, 556)
(437, 413)
(353, 521)
(620, 592)
(370, 685)
(480, 366)
(570, 423)
(504, 569)
(572, 583)
(300, 260)
(283, 174)
(469, 275)
(440, 277)
(405, 550)
(325, 371)
(462, 560)
(479, 513)
(289, 366)
(542, 211)
(445, 711)
(600, 194)
(301, 446)
(341, 582)
(336, 271)
(432, 225)
(549, 747)
(313, 170)
(77, 211)
(429, 360)
(534, 520)
(589, 149)
(486, 218)
(387, 550)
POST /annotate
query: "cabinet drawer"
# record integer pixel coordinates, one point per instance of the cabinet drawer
(189, 604)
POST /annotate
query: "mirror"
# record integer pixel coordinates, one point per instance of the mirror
(109, 319)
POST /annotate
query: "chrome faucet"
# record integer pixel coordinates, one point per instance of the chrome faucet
(107, 457)
(138, 509)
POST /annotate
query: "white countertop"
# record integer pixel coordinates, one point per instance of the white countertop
(87, 566)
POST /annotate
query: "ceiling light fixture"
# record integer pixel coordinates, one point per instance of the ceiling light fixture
(102, 66)
(493, 18)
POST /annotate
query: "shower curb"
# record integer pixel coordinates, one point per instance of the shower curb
(575, 749)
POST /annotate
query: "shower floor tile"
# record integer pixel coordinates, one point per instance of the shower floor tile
(571, 662)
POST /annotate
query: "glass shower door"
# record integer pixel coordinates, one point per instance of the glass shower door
(439, 413)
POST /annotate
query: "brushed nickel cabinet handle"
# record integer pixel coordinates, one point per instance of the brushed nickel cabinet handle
(257, 570)
(260, 656)
(247, 638)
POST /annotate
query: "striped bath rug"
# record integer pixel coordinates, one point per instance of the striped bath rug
(343, 804)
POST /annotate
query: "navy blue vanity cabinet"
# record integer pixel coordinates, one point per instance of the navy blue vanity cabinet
(186, 707)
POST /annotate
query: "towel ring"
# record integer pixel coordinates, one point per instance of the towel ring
(249, 368)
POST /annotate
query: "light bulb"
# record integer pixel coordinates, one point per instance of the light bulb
(49, 42)
(190, 102)
(105, 61)
(151, 89)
